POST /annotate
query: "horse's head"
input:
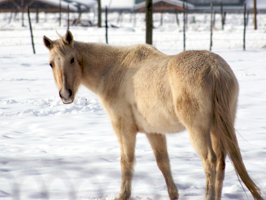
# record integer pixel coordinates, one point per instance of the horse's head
(65, 65)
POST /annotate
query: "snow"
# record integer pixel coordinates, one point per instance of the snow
(56, 151)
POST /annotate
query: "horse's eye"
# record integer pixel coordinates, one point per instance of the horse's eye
(72, 60)
(51, 65)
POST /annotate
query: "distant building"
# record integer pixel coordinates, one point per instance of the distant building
(169, 6)
(44, 5)
(228, 5)
(202, 5)
(216, 2)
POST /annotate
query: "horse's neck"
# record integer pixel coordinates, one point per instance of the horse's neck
(96, 61)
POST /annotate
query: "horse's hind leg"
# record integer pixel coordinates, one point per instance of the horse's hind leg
(201, 141)
(220, 167)
(158, 144)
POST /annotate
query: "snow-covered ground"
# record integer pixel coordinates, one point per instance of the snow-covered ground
(53, 151)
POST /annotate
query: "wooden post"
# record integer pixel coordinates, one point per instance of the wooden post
(134, 19)
(22, 12)
(176, 16)
(224, 18)
(211, 25)
(106, 25)
(247, 18)
(119, 17)
(22, 17)
(10, 18)
(99, 14)
(37, 14)
(184, 26)
(60, 13)
(161, 18)
(245, 23)
(79, 11)
(255, 13)
(31, 33)
(214, 18)
(222, 15)
(68, 17)
(149, 21)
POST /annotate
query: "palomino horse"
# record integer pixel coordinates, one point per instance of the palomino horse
(144, 90)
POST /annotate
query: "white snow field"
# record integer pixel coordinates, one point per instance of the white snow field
(49, 150)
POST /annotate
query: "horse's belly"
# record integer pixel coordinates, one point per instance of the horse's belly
(157, 121)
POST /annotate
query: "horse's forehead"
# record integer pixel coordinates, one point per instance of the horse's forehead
(60, 53)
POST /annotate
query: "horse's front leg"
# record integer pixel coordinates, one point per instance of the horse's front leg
(126, 132)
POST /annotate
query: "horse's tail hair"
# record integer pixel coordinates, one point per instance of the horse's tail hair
(225, 91)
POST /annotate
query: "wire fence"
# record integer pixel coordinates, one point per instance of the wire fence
(167, 33)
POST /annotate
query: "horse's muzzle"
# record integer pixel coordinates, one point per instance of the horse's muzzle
(66, 96)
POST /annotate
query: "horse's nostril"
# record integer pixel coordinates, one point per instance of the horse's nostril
(65, 94)
(70, 92)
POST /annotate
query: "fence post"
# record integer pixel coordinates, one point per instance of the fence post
(32, 41)
(255, 13)
(176, 16)
(99, 14)
(184, 26)
(60, 13)
(245, 23)
(149, 21)
(222, 15)
(161, 18)
(22, 16)
(134, 19)
(211, 24)
(37, 14)
(247, 18)
(68, 17)
(106, 24)
(10, 18)
(214, 18)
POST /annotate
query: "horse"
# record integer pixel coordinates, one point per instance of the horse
(144, 90)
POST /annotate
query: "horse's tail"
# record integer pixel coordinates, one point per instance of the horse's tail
(225, 91)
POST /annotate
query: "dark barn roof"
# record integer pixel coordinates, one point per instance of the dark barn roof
(21, 5)
(163, 6)
(232, 6)
(204, 5)
(216, 2)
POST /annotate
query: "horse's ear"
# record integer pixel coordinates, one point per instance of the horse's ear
(68, 39)
(47, 42)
